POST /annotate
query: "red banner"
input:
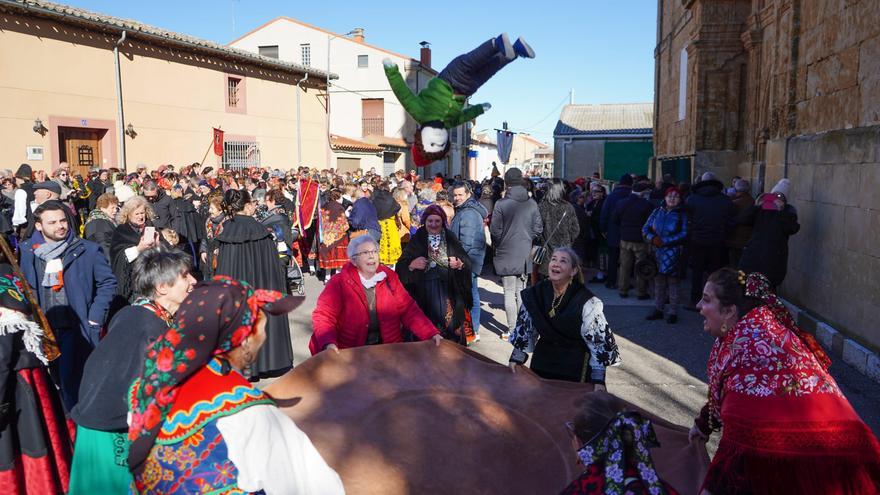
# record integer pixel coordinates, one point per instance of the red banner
(218, 142)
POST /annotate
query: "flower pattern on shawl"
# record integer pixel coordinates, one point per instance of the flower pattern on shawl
(595, 331)
(761, 357)
(199, 332)
(608, 448)
(334, 225)
(758, 286)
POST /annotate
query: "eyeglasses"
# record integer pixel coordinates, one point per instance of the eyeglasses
(370, 253)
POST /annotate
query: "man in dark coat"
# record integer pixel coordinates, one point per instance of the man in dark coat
(629, 217)
(713, 217)
(622, 190)
(515, 223)
(468, 226)
(161, 203)
(74, 286)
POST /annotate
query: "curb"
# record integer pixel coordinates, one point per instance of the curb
(837, 344)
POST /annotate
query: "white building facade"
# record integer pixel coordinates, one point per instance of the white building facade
(362, 106)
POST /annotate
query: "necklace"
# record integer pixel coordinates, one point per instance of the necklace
(557, 300)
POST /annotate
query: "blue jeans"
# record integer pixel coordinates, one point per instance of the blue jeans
(467, 72)
(475, 311)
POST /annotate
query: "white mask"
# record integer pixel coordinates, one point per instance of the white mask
(434, 139)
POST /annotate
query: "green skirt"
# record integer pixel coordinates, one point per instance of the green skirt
(100, 463)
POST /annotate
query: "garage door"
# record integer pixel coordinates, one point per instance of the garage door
(627, 157)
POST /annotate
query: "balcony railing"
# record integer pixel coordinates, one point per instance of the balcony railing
(373, 126)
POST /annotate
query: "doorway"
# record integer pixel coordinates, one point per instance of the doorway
(80, 148)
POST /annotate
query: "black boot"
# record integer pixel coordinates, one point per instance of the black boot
(672, 319)
(656, 315)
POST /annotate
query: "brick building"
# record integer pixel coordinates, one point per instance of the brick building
(767, 89)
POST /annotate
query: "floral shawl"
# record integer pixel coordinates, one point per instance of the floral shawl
(215, 318)
(609, 448)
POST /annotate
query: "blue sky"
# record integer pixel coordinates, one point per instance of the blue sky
(601, 49)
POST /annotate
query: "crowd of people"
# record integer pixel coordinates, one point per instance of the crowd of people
(169, 289)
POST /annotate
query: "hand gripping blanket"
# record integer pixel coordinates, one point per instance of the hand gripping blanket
(415, 418)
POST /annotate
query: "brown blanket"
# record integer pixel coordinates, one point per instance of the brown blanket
(414, 418)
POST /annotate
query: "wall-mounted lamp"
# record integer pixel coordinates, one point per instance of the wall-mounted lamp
(130, 132)
(39, 128)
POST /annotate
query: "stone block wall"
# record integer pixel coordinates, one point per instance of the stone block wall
(840, 65)
(834, 261)
(676, 31)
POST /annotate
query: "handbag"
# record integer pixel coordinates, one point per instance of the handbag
(540, 253)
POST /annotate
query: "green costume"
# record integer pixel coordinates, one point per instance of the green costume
(437, 102)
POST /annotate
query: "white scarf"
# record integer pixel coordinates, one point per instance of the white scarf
(371, 282)
(13, 322)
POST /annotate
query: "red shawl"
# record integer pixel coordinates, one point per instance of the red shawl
(787, 426)
(307, 202)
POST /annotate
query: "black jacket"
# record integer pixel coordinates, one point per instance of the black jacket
(100, 231)
(767, 250)
(713, 215)
(111, 368)
(630, 215)
(162, 209)
(386, 206)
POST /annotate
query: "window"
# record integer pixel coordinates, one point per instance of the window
(305, 51)
(682, 83)
(453, 135)
(363, 61)
(269, 51)
(232, 92)
(239, 155)
(235, 94)
(372, 117)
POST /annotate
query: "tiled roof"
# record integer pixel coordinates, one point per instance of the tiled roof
(394, 142)
(348, 144)
(136, 30)
(623, 118)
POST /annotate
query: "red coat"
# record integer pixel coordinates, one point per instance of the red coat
(341, 316)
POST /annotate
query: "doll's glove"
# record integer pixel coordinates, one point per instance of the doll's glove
(387, 62)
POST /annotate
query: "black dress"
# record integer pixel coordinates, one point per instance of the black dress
(443, 294)
(247, 252)
(124, 237)
(35, 443)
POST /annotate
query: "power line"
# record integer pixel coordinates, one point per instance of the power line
(527, 128)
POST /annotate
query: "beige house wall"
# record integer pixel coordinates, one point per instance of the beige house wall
(66, 75)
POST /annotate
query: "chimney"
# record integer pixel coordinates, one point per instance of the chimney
(357, 34)
(425, 55)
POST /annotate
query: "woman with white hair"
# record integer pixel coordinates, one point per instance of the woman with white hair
(365, 304)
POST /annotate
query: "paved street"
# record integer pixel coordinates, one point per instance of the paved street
(663, 366)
